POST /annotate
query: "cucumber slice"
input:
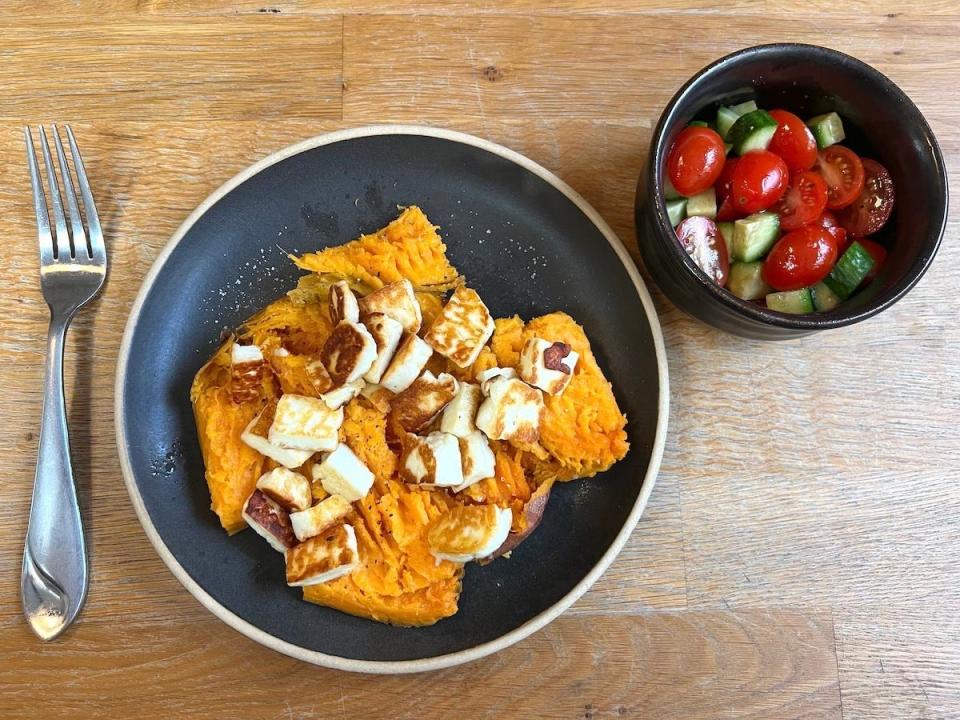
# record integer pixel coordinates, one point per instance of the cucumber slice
(752, 131)
(676, 210)
(753, 236)
(744, 107)
(726, 117)
(669, 191)
(727, 148)
(827, 129)
(795, 302)
(698, 123)
(726, 230)
(823, 297)
(850, 270)
(746, 280)
(703, 204)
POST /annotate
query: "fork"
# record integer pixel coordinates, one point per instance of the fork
(73, 265)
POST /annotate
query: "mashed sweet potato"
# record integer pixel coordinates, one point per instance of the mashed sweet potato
(398, 581)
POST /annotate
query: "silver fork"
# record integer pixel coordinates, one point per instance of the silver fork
(73, 265)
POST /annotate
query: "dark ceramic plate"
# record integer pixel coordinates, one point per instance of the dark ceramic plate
(527, 242)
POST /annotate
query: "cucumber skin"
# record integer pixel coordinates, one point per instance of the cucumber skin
(752, 131)
(849, 272)
(795, 302)
(676, 210)
(824, 298)
(745, 253)
(827, 129)
(746, 281)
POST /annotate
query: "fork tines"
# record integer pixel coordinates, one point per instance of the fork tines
(76, 242)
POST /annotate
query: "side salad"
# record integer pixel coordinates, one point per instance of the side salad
(775, 209)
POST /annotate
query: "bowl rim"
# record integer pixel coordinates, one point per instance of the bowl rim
(743, 308)
(439, 661)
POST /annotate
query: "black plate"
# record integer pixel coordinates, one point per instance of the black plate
(526, 242)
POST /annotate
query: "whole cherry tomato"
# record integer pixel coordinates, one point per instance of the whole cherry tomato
(759, 180)
(793, 141)
(800, 258)
(828, 221)
(695, 160)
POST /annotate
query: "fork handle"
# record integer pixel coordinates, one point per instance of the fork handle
(53, 584)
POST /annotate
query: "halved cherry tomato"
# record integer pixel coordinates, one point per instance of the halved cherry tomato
(843, 172)
(877, 251)
(803, 201)
(800, 258)
(759, 179)
(872, 207)
(793, 141)
(828, 221)
(701, 239)
(695, 160)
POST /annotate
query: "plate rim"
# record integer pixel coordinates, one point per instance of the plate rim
(448, 659)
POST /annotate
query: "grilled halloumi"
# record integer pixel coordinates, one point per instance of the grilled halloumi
(477, 460)
(458, 416)
(462, 328)
(305, 423)
(246, 371)
(314, 520)
(269, 521)
(432, 461)
(409, 360)
(348, 353)
(323, 558)
(487, 377)
(378, 396)
(512, 411)
(415, 407)
(255, 435)
(343, 303)
(290, 489)
(386, 333)
(396, 300)
(547, 365)
(318, 375)
(342, 395)
(343, 473)
(469, 532)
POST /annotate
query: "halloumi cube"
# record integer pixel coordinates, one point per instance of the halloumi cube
(547, 365)
(386, 333)
(290, 489)
(348, 353)
(255, 435)
(462, 328)
(476, 459)
(432, 461)
(469, 532)
(419, 404)
(512, 411)
(305, 423)
(342, 395)
(487, 377)
(396, 300)
(246, 372)
(269, 521)
(314, 520)
(378, 396)
(409, 360)
(317, 375)
(343, 303)
(323, 558)
(458, 416)
(343, 473)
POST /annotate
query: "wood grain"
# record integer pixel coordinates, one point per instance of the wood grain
(800, 556)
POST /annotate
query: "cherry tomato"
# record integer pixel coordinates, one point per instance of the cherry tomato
(759, 179)
(726, 179)
(701, 239)
(800, 258)
(828, 221)
(793, 141)
(871, 209)
(695, 160)
(877, 251)
(727, 211)
(804, 201)
(843, 171)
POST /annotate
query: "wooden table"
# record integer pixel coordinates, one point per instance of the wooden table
(800, 556)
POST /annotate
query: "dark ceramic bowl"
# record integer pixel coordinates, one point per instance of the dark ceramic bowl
(881, 122)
